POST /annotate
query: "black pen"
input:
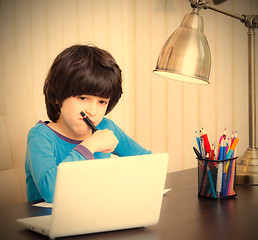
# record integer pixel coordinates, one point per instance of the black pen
(197, 152)
(89, 122)
(91, 125)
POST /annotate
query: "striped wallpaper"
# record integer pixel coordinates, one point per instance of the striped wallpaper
(162, 115)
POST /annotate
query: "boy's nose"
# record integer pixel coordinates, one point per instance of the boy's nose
(91, 109)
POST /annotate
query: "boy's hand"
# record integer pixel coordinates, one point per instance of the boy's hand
(101, 141)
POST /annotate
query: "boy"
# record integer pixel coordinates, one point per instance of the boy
(81, 78)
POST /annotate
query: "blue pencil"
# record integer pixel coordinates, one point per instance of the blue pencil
(221, 150)
(198, 141)
(223, 184)
(211, 182)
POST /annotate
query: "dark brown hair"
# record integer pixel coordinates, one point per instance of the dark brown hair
(82, 70)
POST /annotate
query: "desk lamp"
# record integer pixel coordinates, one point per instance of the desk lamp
(186, 57)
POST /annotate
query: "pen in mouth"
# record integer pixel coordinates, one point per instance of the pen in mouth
(88, 122)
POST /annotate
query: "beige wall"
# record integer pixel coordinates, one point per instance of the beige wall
(162, 115)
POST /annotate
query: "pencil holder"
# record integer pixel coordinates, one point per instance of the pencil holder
(216, 178)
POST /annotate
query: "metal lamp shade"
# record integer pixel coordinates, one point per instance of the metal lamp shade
(186, 54)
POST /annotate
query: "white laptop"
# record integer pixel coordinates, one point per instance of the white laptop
(103, 195)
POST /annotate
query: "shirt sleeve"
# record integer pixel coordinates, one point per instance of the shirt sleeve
(42, 161)
(84, 152)
(126, 146)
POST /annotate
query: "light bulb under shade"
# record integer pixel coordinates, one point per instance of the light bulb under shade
(186, 54)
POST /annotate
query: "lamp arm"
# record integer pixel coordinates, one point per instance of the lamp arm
(207, 5)
(249, 21)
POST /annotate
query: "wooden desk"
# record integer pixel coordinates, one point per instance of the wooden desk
(183, 216)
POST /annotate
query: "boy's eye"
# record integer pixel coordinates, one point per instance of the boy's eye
(82, 98)
(103, 102)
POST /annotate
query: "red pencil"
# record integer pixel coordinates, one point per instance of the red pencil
(206, 141)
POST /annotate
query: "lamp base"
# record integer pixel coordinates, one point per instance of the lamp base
(247, 168)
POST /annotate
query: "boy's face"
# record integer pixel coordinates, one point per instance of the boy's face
(71, 121)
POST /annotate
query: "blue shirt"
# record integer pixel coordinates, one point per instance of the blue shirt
(47, 148)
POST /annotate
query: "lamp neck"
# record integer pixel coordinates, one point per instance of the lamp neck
(195, 11)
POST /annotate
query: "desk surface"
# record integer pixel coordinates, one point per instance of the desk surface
(183, 216)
